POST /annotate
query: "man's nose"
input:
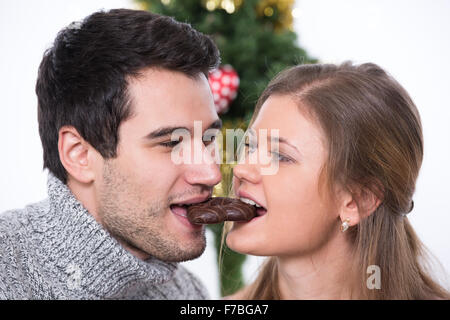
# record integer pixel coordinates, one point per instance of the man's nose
(203, 174)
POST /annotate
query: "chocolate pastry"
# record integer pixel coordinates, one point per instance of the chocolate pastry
(219, 209)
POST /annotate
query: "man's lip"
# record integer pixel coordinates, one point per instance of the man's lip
(244, 194)
(185, 221)
(197, 199)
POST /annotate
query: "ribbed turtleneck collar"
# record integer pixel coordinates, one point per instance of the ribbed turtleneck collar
(86, 257)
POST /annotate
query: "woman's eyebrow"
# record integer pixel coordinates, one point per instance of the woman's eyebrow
(282, 140)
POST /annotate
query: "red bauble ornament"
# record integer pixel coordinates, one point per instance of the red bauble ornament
(224, 83)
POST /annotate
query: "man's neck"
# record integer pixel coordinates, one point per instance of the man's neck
(86, 194)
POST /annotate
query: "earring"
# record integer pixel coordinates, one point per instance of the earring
(345, 225)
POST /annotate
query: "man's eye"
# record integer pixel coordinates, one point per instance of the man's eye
(210, 140)
(170, 144)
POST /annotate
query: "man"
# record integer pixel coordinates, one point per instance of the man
(110, 92)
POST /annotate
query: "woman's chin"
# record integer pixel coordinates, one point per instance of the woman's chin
(241, 244)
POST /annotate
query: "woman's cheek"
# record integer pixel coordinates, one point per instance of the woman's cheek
(294, 217)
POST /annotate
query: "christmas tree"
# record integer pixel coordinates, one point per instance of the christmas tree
(255, 37)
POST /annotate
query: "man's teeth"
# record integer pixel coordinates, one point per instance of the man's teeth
(250, 202)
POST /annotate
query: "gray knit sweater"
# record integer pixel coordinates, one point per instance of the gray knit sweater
(55, 249)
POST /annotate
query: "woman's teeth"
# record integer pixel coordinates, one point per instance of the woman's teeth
(250, 202)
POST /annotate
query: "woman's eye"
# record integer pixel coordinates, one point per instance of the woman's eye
(280, 157)
(250, 148)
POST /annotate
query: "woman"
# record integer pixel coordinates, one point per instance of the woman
(333, 222)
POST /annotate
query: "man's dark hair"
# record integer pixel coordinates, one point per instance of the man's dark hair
(82, 79)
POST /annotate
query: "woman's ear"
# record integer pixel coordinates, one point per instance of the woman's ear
(76, 155)
(356, 204)
(348, 208)
(369, 201)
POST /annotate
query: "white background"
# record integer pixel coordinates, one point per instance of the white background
(410, 39)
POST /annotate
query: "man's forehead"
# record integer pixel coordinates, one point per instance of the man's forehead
(165, 91)
(156, 77)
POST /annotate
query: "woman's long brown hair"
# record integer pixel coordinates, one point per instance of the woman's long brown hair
(375, 143)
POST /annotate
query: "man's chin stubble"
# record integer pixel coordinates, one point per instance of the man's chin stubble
(168, 250)
(176, 253)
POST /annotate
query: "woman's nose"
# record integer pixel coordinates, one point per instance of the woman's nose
(247, 172)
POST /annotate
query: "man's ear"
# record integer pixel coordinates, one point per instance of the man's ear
(356, 204)
(76, 155)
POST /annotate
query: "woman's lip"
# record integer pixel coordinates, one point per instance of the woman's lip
(243, 194)
(255, 218)
(261, 212)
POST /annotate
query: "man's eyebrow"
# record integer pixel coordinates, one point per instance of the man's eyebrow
(216, 124)
(162, 132)
(167, 131)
